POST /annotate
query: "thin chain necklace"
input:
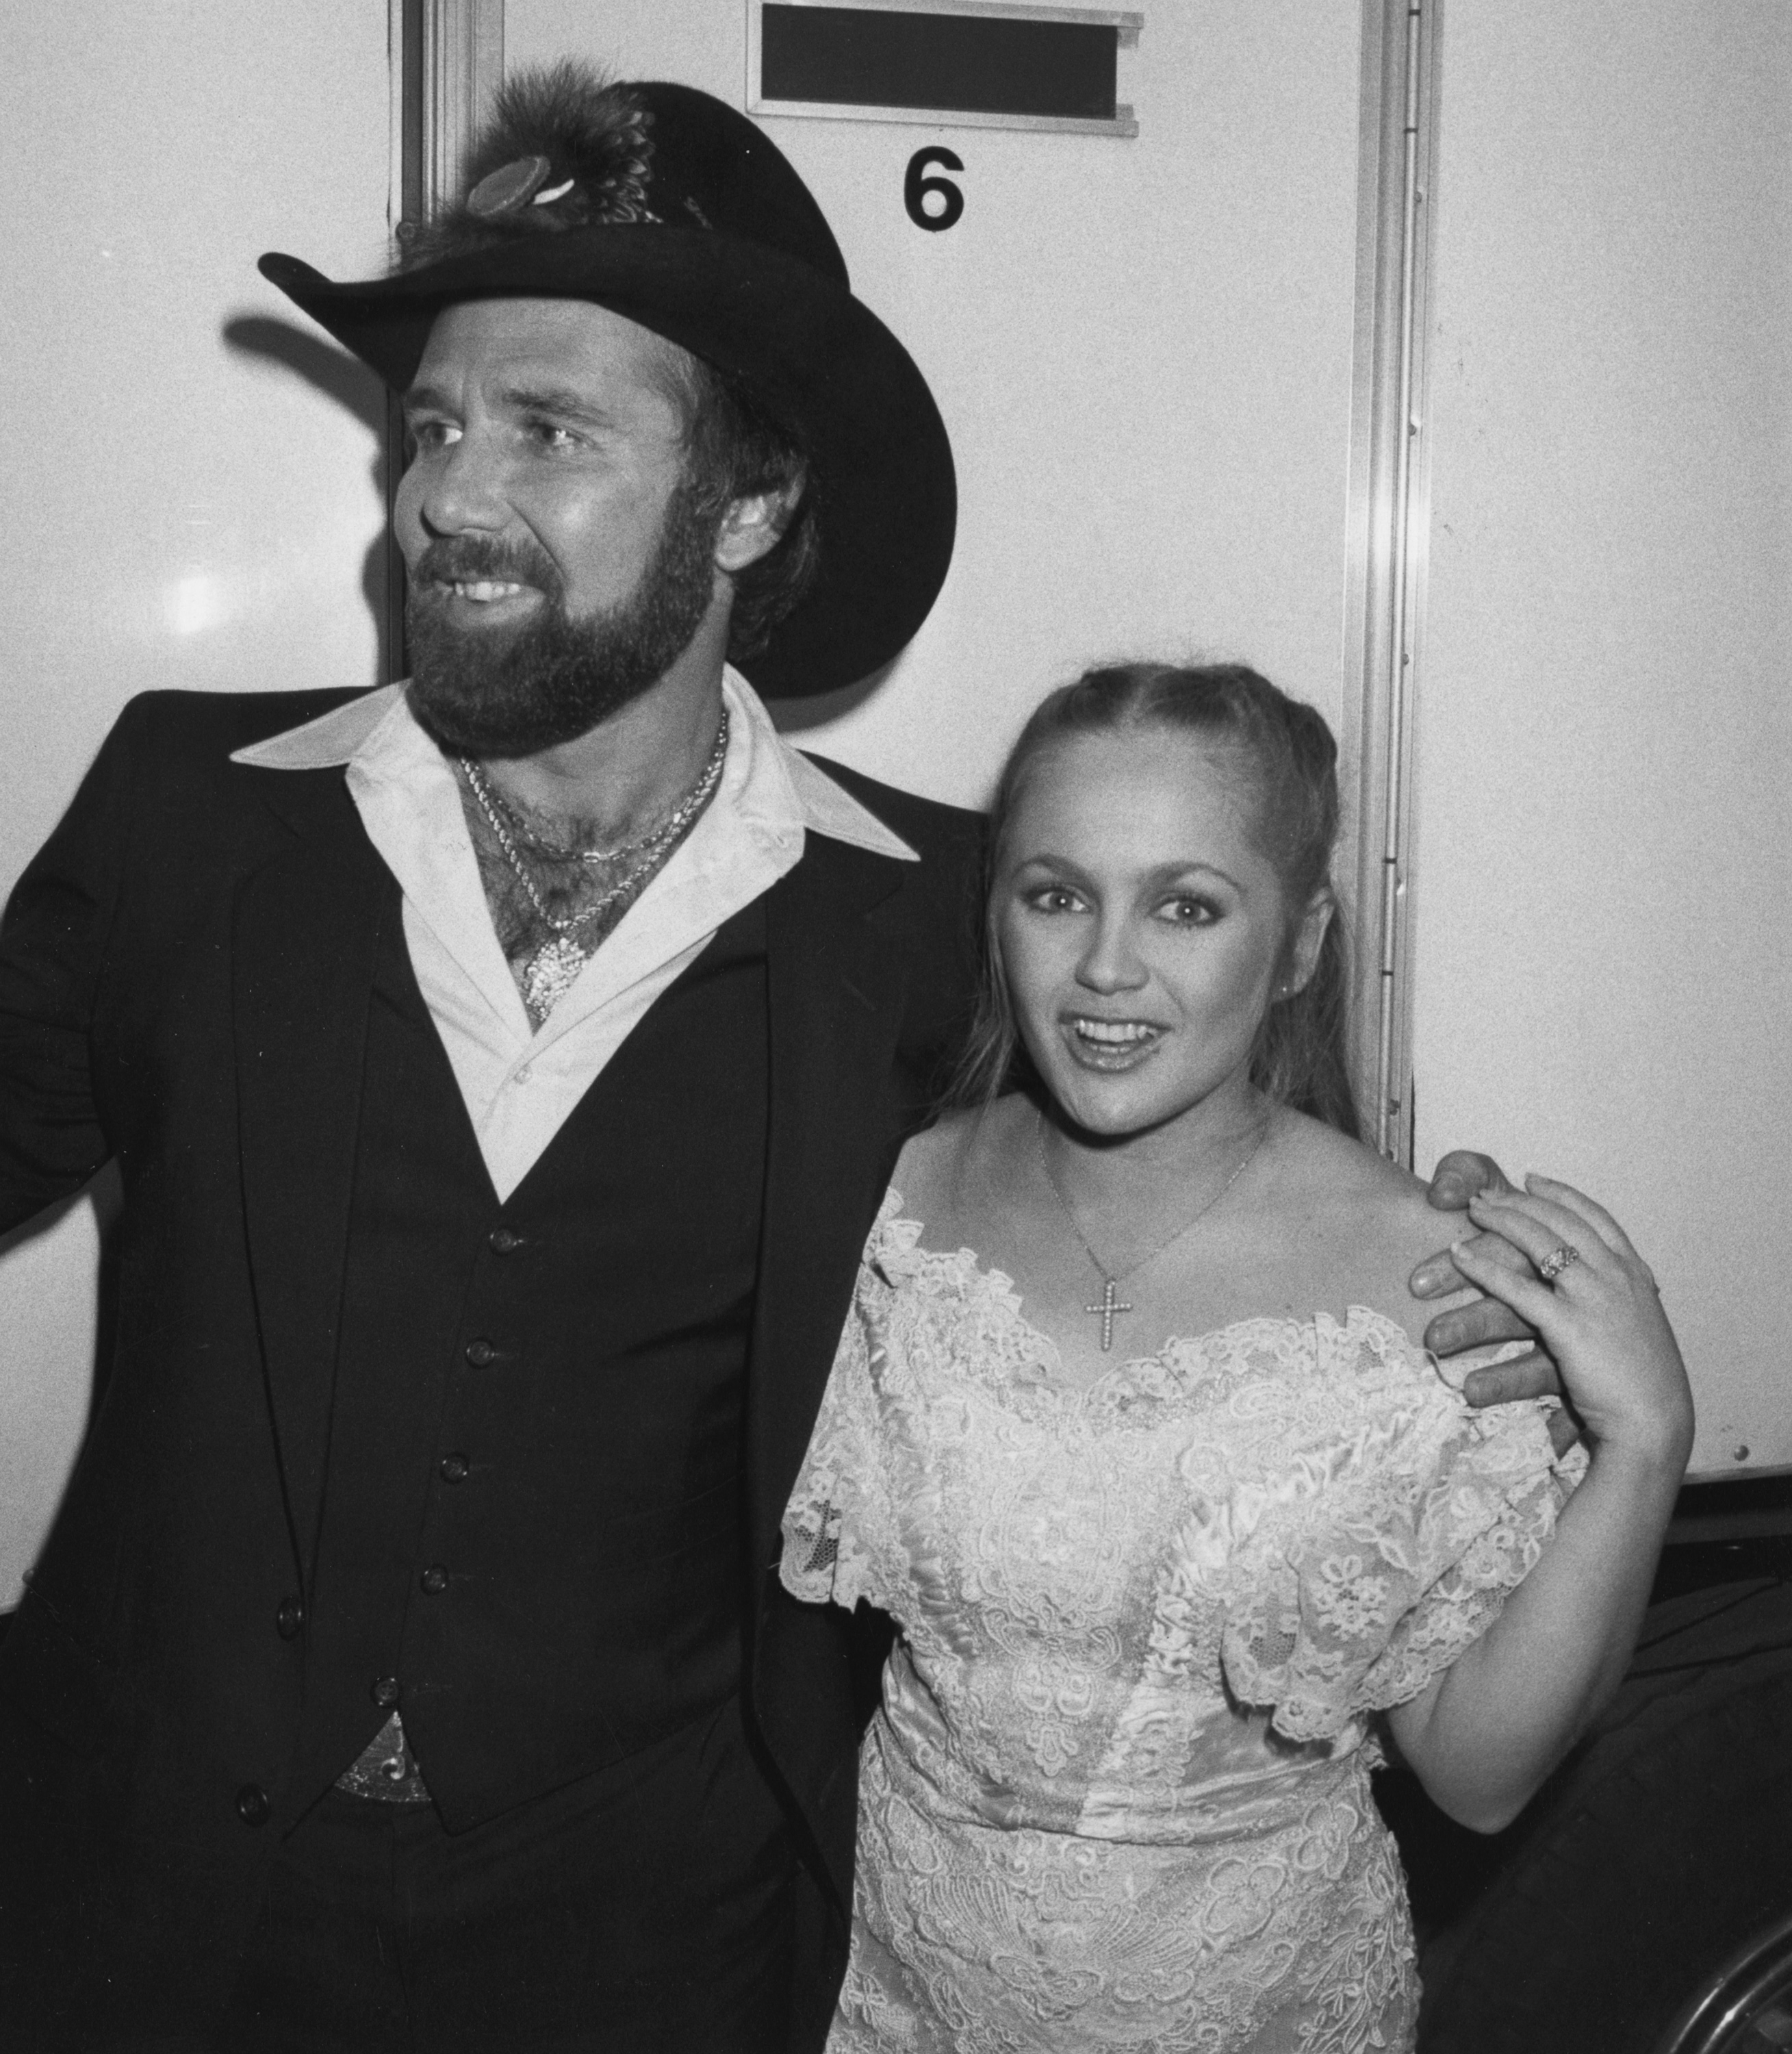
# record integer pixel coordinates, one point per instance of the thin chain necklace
(551, 972)
(524, 836)
(1110, 1303)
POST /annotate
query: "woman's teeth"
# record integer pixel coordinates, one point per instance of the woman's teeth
(1114, 1033)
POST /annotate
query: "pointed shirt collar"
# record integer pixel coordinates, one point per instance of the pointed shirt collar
(773, 787)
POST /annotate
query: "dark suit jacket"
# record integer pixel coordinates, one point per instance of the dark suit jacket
(184, 981)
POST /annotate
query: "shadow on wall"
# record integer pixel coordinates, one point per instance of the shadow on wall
(345, 380)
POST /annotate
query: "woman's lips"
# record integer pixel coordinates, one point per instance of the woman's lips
(1109, 1044)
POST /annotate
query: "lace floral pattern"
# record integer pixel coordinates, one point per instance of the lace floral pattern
(1117, 1795)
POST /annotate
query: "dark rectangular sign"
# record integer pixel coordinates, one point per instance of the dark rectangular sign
(968, 63)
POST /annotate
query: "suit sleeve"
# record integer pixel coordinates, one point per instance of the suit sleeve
(52, 946)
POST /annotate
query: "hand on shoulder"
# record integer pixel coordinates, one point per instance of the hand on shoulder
(1496, 1227)
(1591, 1297)
(1463, 1321)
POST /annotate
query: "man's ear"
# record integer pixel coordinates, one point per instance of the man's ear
(1303, 949)
(752, 526)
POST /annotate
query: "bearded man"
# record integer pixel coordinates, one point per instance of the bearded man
(505, 1069)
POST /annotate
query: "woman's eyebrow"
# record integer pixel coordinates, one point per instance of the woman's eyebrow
(1167, 873)
(1164, 873)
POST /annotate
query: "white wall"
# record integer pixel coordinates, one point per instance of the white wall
(1604, 782)
(181, 510)
(1141, 348)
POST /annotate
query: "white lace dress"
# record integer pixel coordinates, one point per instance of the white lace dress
(1118, 1796)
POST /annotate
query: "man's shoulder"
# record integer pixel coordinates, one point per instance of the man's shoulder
(208, 726)
(929, 826)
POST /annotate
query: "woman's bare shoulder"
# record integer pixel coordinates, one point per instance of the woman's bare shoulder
(1371, 1224)
(937, 1165)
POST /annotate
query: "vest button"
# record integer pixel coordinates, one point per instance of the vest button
(288, 1617)
(385, 1693)
(502, 1240)
(252, 1807)
(481, 1353)
(453, 1469)
(434, 1580)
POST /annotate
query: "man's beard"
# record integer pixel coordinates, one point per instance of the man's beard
(484, 693)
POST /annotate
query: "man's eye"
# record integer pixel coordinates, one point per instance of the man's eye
(550, 435)
(427, 435)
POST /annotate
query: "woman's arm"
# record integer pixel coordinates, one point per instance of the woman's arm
(1485, 1734)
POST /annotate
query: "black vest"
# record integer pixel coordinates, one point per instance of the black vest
(533, 1516)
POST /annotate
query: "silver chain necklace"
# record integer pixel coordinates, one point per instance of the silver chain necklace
(1110, 1304)
(552, 971)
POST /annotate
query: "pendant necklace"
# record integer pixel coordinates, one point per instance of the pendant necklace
(554, 968)
(1110, 1304)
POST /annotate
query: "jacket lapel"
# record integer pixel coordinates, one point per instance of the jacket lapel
(836, 991)
(836, 980)
(306, 928)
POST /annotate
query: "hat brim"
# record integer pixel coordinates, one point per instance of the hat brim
(886, 495)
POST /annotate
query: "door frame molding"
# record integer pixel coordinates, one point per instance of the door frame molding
(445, 62)
(1389, 519)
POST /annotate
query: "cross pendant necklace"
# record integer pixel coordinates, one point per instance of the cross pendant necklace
(1110, 1304)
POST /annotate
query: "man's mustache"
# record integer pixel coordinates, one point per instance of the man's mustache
(466, 559)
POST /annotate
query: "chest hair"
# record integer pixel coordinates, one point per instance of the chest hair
(566, 888)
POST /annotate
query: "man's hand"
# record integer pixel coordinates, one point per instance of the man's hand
(1483, 1320)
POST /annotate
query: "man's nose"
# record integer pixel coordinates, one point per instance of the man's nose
(460, 489)
(1111, 961)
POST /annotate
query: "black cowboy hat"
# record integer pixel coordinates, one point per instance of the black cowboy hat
(669, 208)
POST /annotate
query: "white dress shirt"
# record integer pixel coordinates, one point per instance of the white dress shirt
(520, 1083)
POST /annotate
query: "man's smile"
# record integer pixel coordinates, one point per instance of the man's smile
(485, 600)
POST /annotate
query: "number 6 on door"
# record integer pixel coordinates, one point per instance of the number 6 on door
(919, 188)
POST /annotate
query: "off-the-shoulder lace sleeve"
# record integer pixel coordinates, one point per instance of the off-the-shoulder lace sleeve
(1349, 1598)
(837, 1524)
